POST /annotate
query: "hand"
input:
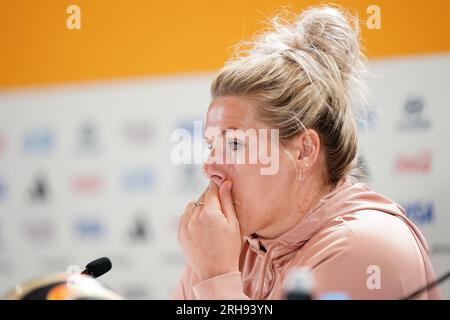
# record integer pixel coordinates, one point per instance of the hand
(209, 234)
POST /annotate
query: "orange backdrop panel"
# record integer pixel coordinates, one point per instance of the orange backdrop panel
(120, 39)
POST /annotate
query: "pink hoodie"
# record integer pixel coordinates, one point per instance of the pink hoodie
(349, 233)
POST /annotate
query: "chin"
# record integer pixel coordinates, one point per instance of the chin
(246, 225)
(245, 231)
(245, 234)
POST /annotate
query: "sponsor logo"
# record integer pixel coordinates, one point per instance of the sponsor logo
(89, 228)
(39, 191)
(87, 184)
(420, 213)
(138, 132)
(420, 162)
(139, 230)
(362, 172)
(41, 230)
(137, 179)
(367, 120)
(39, 141)
(88, 137)
(414, 117)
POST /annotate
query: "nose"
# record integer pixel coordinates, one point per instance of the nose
(213, 173)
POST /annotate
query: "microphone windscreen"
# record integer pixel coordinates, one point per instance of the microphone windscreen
(99, 267)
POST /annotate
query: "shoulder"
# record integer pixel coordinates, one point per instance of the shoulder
(366, 234)
(350, 248)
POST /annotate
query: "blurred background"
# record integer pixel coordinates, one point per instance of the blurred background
(91, 90)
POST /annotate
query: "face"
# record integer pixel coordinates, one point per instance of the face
(259, 198)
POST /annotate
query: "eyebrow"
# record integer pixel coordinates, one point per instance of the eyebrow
(223, 132)
(232, 128)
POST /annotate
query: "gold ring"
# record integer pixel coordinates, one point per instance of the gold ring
(198, 204)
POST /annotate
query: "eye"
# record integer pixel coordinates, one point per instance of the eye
(235, 145)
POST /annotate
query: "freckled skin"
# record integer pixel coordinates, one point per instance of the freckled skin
(260, 199)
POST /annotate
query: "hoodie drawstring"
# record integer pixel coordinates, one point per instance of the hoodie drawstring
(263, 273)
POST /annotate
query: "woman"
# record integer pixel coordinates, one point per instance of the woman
(249, 230)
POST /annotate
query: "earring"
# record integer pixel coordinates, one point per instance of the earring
(306, 159)
(302, 175)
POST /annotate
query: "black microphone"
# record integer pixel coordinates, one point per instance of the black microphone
(299, 284)
(98, 267)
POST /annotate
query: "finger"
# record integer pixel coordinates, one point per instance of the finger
(198, 205)
(212, 196)
(185, 217)
(202, 196)
(226, 201)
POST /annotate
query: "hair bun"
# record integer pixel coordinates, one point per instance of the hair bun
(329, 34)
(331, 31)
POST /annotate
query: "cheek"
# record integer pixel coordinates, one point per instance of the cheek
(247, 185)
(257, 192)
(251, 190)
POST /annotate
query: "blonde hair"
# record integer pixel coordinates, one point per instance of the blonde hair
(304, 73)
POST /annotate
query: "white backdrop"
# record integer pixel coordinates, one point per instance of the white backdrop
(85, 170)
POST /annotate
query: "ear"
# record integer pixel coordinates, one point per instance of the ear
(308, 146)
